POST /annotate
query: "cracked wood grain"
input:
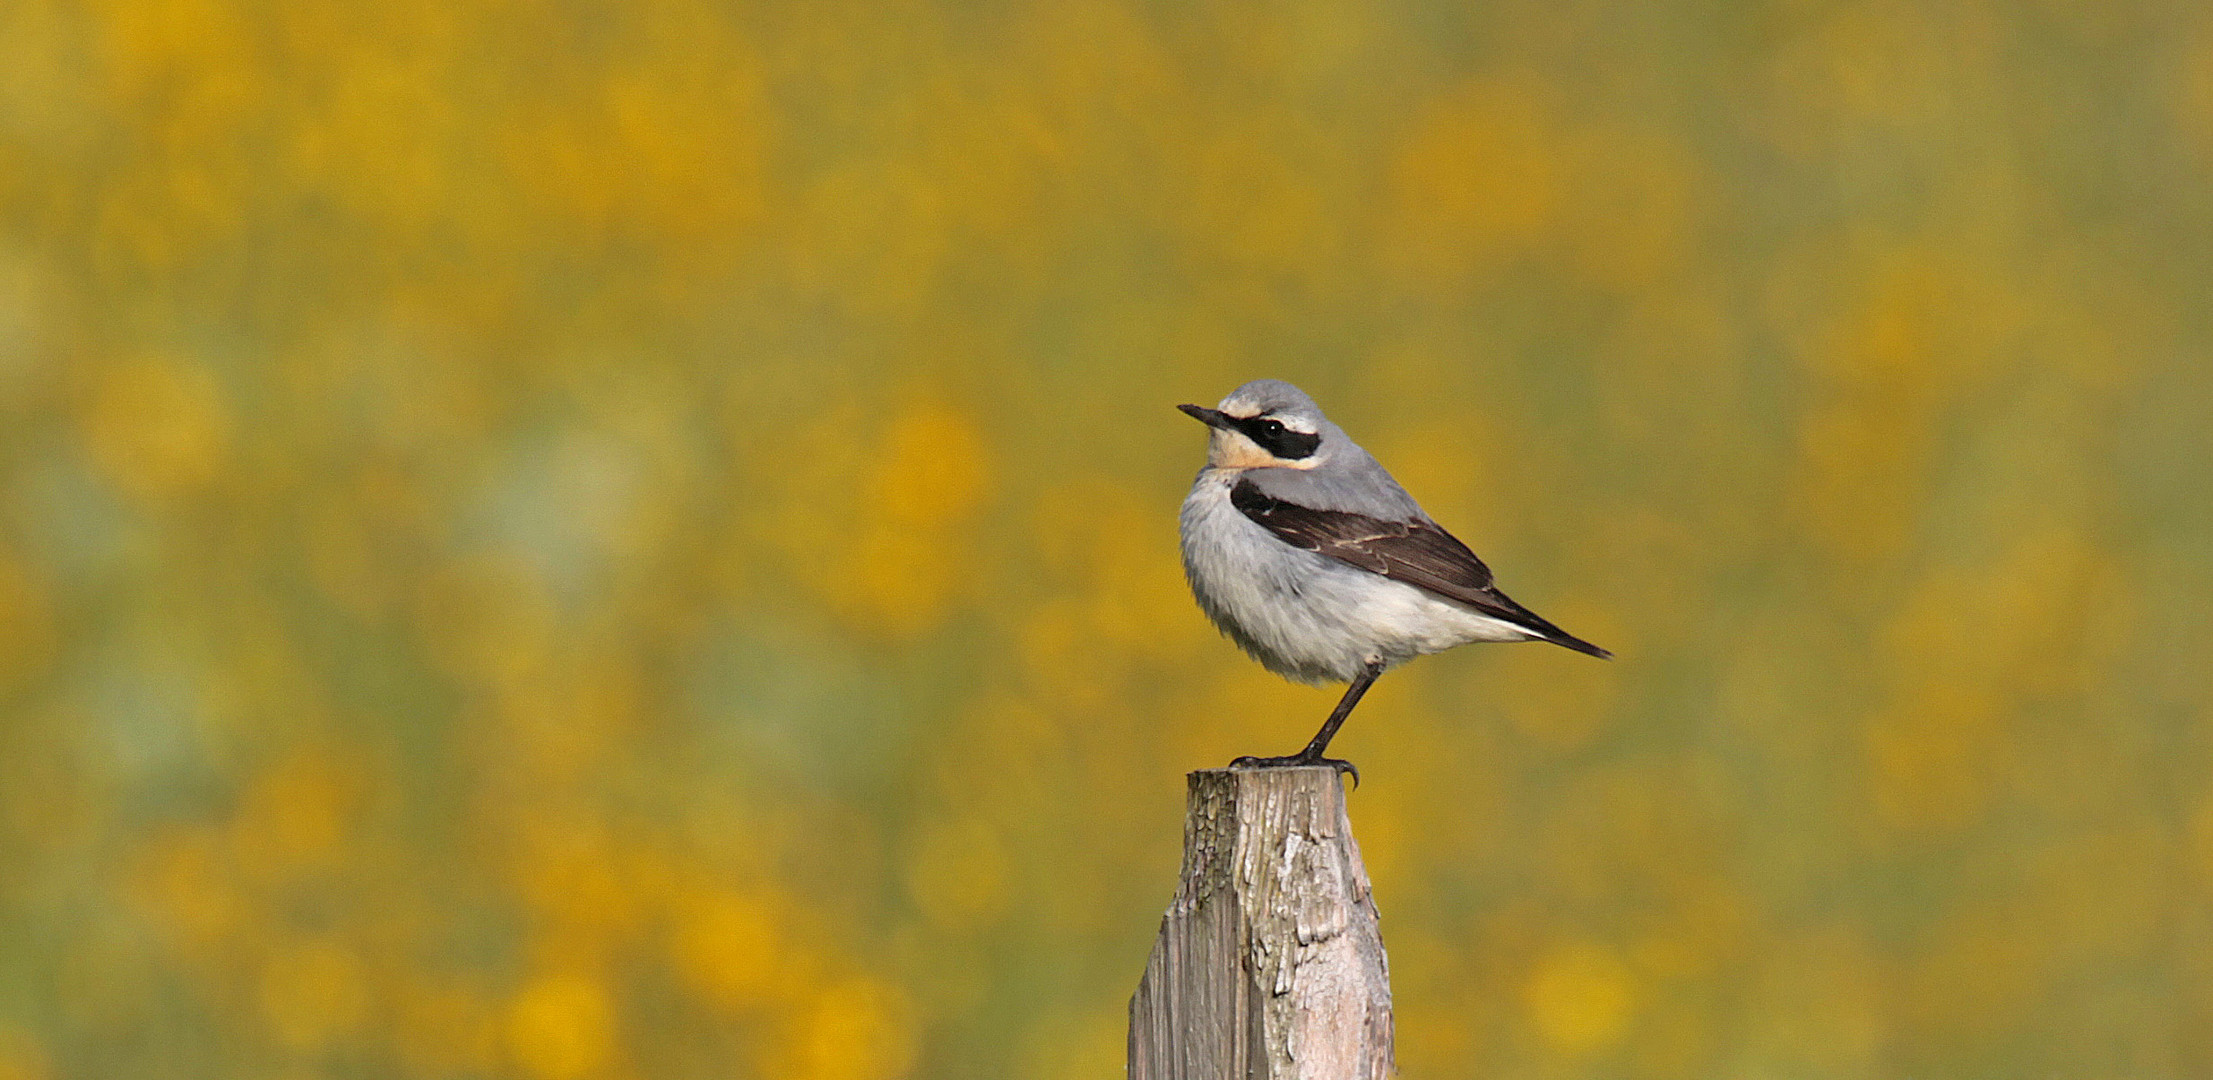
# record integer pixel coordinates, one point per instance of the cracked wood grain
(1269, 964)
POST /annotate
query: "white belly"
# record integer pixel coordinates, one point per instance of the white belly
(1306, 616)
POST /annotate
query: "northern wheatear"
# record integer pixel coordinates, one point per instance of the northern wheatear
(1307, 554)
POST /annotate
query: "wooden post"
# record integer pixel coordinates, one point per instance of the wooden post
(1269, 965)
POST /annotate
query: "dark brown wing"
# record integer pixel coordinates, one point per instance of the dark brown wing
(1415, 552)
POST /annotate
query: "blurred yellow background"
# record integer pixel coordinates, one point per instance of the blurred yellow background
(636, 540)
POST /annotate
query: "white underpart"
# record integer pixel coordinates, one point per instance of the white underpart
(1307, 616)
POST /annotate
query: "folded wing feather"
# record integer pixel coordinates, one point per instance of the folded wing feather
(1417, 552)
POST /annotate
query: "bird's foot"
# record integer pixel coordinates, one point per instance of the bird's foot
(1293, 761)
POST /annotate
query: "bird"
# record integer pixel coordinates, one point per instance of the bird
(1304, 551)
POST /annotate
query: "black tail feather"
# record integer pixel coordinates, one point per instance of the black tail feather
(1545, 631)
(1566, 640)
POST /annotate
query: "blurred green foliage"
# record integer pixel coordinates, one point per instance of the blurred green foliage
(591, 540)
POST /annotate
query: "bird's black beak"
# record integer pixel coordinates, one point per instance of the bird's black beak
(1210, 417)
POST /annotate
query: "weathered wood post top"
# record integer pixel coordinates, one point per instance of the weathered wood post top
(1269, 964)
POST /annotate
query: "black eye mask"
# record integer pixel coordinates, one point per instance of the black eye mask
(1276, 439)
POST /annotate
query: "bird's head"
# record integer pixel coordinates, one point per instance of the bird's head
(1264, 424)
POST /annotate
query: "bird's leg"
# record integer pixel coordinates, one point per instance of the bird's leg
(1312, 755)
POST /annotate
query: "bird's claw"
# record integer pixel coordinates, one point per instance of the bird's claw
(1293, 761)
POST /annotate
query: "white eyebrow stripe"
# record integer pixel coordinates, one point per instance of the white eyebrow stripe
(1299, 424)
